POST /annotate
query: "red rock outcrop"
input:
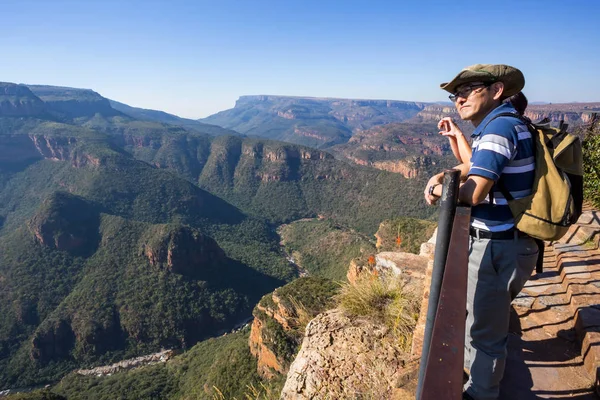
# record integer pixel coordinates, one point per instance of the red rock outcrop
(261, 336)
(435, 112)
(268, 364)
(402, 167)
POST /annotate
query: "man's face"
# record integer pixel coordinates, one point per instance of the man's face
(474, 101)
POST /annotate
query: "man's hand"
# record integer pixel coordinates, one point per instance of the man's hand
(434, 180)
(448, 128)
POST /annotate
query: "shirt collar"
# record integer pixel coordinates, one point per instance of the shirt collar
(502, 108)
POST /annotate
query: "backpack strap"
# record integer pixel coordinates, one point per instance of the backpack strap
(523, 118)
(500, 183)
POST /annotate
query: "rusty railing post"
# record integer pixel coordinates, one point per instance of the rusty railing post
(443, 377)
(448, 203)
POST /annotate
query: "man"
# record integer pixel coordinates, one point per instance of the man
(501, 259)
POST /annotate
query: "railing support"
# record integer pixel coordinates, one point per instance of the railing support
(448, 203)
(444, 366)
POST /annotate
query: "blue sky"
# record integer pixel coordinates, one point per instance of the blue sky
(194, 58)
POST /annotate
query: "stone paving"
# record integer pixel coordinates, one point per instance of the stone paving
(554, 345)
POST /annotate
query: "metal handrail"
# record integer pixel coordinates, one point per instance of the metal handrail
(443, 342)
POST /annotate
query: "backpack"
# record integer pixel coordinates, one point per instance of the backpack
(557, 197)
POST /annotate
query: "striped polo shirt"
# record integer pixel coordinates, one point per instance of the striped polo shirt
(503, 149)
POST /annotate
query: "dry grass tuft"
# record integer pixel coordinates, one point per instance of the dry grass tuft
(302, 315)
(386, 298)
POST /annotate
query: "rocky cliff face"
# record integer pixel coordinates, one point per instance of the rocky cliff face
(18, 151)
(271, 328)
(54, 147)
(572, 113)
(333, 102)
(411, 149)
(280, 319)
(51, 342)
(58, 339)
(572, 118)
(232, 159)
(352, 112)
(412, 267)
(182, 250)
(435, 112)
(358, 357)
(344, 358)
(66, 222)
(409, 168)
(19, 101)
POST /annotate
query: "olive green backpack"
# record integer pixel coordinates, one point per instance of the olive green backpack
(557, 197)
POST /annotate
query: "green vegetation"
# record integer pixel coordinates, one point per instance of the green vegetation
(269, 391)
(67, 103)
(313, 294)
(292, 187)
(79, 286)
(591, 163)
(221, 365)
(411, 232)
(276, 181)
(323, 248)
(115, 304)
(42, 394)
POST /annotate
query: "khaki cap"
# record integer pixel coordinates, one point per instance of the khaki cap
(513, 79)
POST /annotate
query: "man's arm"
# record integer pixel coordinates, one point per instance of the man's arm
(471, 192)
(438, 179)
(475, 189)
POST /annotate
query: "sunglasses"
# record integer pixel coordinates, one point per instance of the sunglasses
(466, 90)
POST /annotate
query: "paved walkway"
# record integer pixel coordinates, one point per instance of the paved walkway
(554, 346)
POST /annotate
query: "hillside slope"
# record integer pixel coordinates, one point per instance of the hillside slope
(143, 114)
(103, 256)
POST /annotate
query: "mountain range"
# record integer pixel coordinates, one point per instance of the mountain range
(120, 235)
(309, 121)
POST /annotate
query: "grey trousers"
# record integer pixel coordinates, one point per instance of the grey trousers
(498, 270)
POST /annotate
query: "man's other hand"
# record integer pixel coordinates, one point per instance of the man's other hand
(434, 180)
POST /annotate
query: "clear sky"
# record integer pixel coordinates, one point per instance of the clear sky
(194, 58)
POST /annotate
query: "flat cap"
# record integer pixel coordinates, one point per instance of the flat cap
(513, 79)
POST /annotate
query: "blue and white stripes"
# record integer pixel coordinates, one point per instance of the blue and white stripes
(502, 150)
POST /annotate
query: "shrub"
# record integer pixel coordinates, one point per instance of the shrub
(591, 163)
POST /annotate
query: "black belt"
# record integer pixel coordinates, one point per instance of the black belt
(504, 235)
